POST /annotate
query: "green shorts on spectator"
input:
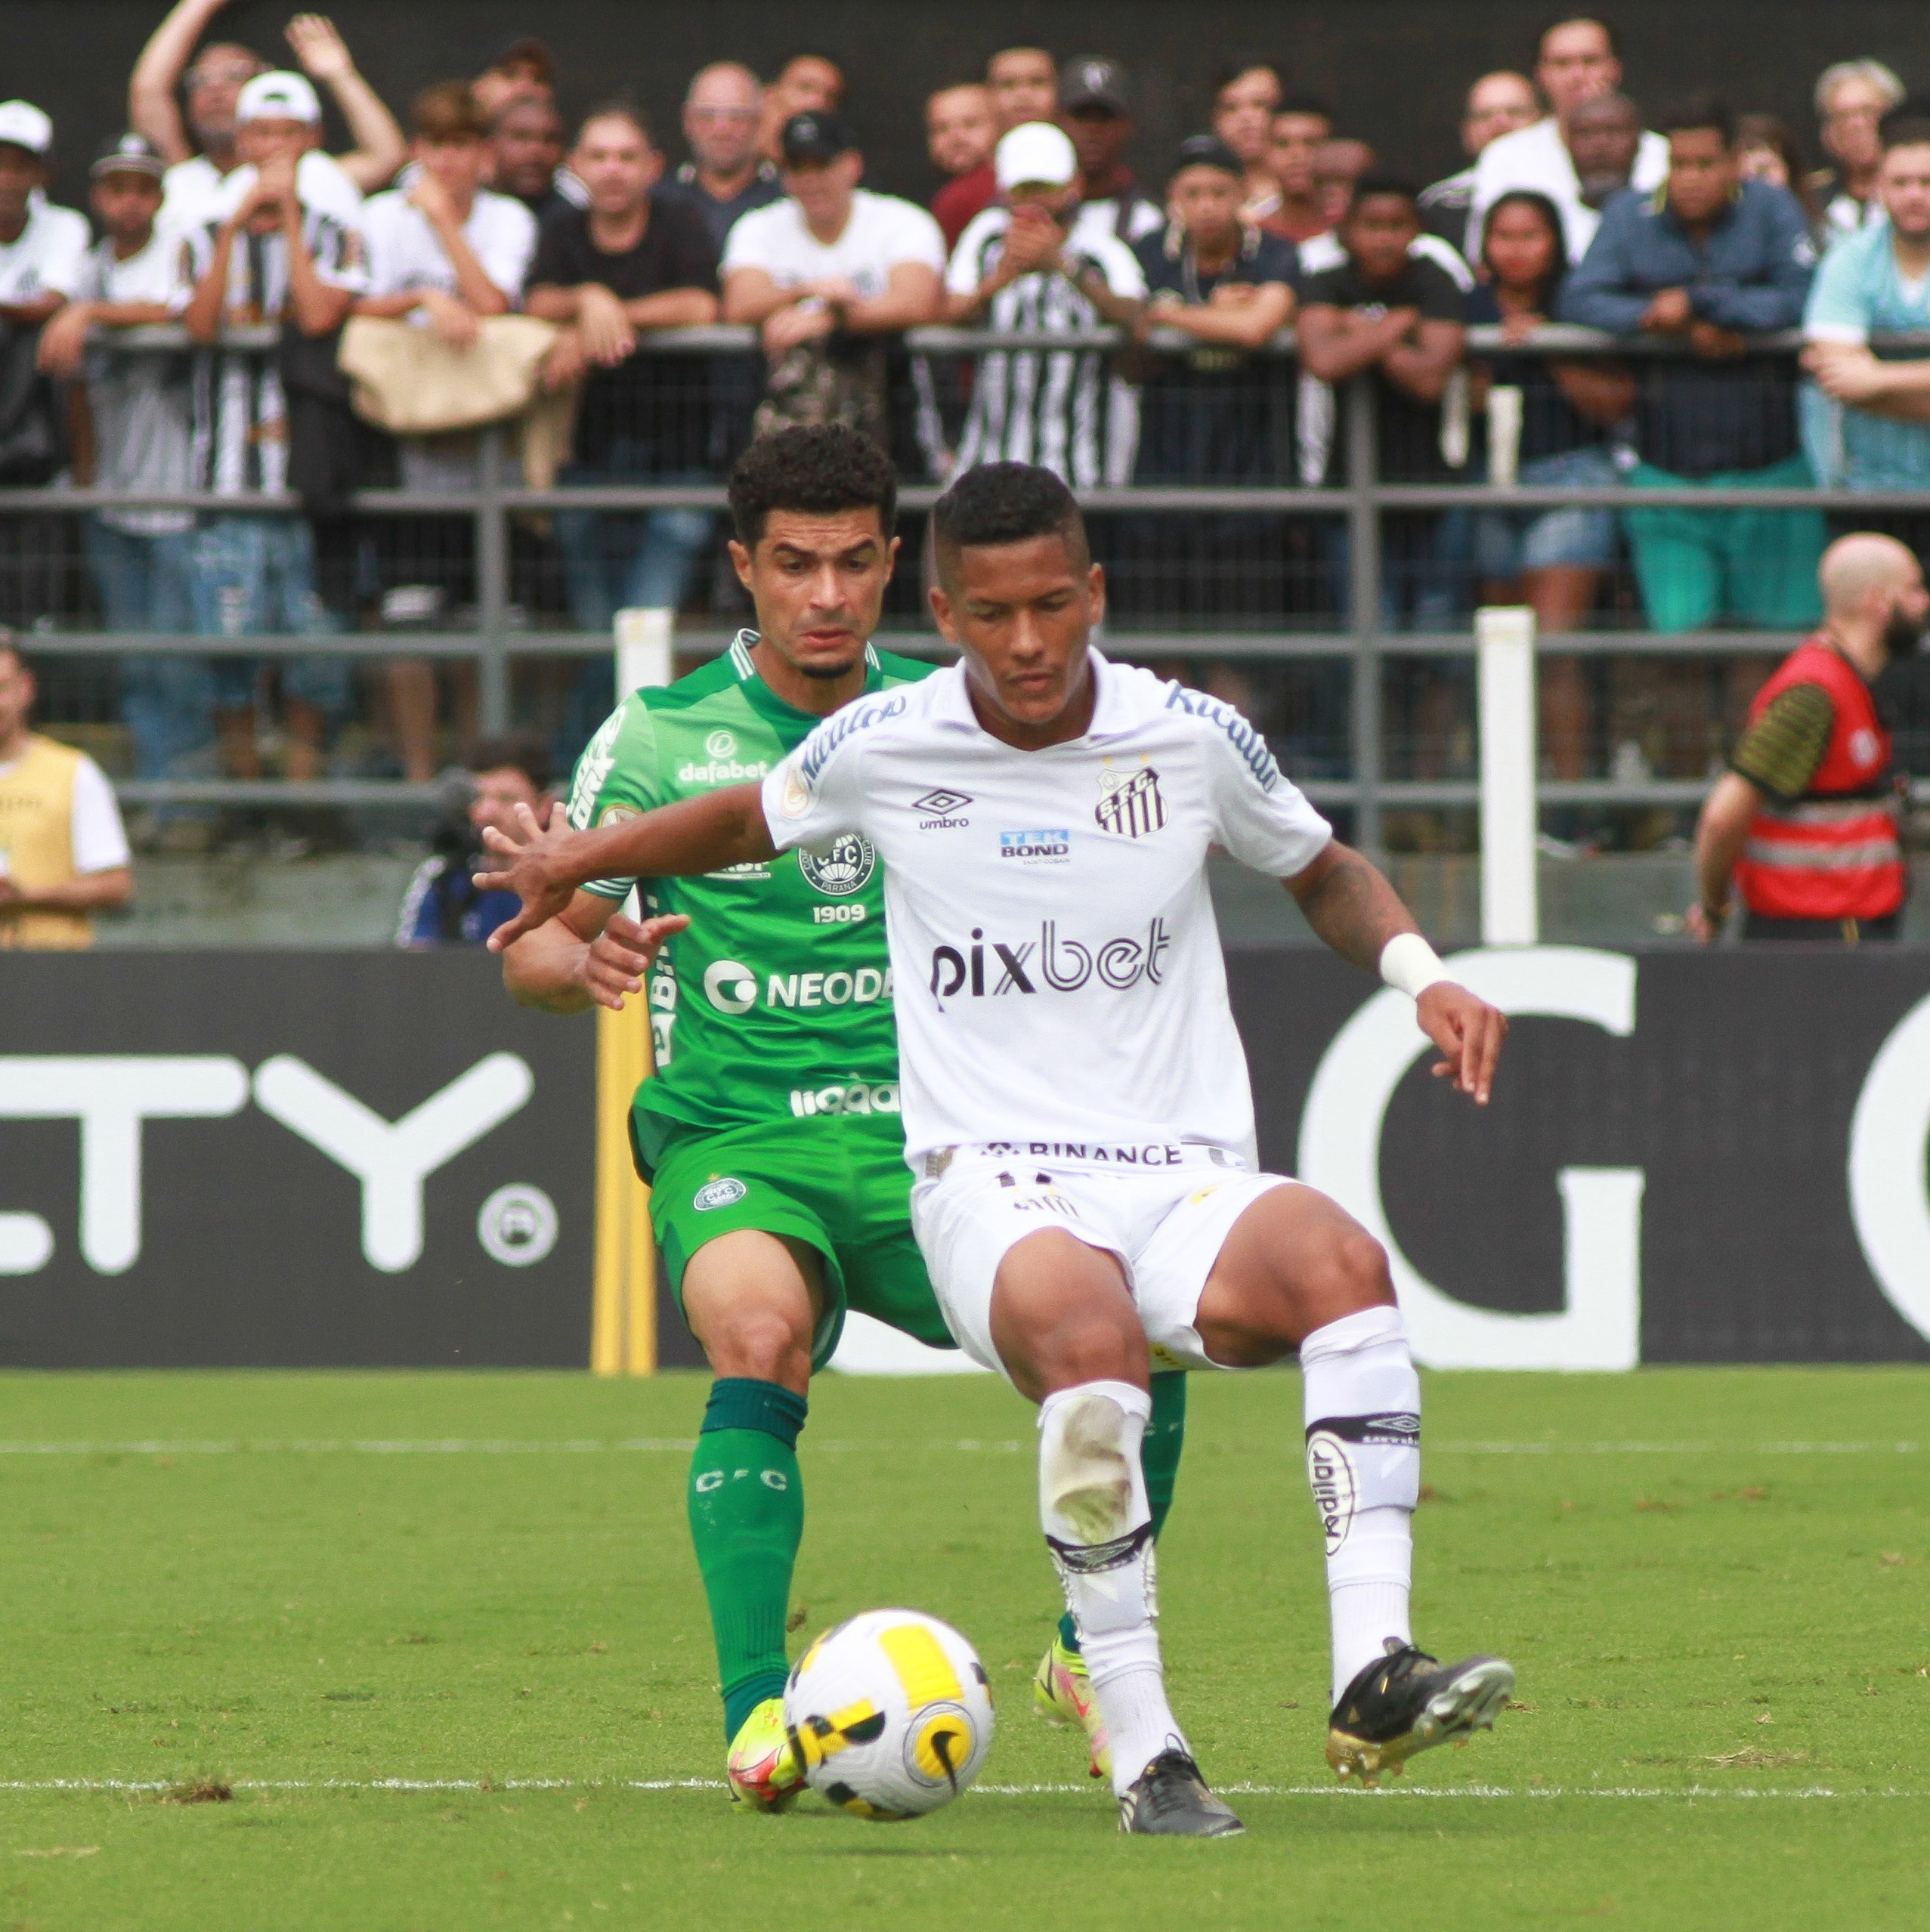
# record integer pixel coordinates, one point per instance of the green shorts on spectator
(1751, 567)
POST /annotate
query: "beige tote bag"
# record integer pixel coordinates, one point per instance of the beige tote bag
(410, 382)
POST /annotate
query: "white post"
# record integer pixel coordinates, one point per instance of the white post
(643, 650)
(1504, 640)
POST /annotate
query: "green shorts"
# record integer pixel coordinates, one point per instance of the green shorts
(840, 1185)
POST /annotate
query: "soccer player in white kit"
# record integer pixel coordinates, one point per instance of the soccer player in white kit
(1075, 1098)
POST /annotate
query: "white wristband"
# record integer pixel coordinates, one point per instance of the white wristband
(1409, 963)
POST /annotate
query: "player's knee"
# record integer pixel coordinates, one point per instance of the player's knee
(1357, 1271)
(763, 1344)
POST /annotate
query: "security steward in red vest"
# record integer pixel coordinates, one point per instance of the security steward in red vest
(1805, 822)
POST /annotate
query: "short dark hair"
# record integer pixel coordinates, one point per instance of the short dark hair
(999, 503)
(1696, 111)
(1304, 103)
(1608, 33)
(1906, 125)
(448, 111)
(819, 468)
(1377, 181)
(619, 109)
(1229, 71)
(514, 751)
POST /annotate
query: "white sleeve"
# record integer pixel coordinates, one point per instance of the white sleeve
(818, 791)
(1259, 815)
(916, 237)
(1120, 267)
(91, 285)
(748, 245)
(64, 266)
(100, 842)
(507, 247)
(965, 271)
(383, 244)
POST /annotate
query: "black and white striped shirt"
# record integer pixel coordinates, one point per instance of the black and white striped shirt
(1063, 408)
(240, 416)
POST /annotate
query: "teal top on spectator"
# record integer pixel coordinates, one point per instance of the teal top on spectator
(1858, 294)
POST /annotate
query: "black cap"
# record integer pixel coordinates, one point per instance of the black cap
(817, 137)
(128, 154)
(1207, 151)
(526, 51)
(1090, 80)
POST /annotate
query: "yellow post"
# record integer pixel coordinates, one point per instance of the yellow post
(622, 1331)
(624, 1321)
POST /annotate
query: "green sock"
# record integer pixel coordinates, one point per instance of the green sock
(1159, 1459)
(746, 1519)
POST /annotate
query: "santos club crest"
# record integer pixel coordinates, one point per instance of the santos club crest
(1129, 802)
(843, 867)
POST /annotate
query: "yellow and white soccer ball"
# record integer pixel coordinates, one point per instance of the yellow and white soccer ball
(890, 1715)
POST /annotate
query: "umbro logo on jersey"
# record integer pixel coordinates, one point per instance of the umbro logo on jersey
(943, 807)
(1129, 804)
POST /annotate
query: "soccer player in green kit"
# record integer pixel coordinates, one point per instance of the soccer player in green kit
(770, 1135)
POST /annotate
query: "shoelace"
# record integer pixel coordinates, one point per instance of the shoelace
(1167, 1789)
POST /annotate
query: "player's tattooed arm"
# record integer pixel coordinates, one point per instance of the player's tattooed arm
(1349, 903)
(544, 865)
(589, 955)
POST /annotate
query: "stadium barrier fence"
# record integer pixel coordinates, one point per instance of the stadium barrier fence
(1370, 716)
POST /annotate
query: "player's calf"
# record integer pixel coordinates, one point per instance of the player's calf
(1099, 1528)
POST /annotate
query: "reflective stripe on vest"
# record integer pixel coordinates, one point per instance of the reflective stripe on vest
(1833, 853)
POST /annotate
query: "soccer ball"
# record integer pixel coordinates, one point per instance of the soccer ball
(889, 1713)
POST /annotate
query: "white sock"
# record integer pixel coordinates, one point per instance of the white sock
(1363, 1454)
(1093, 1506)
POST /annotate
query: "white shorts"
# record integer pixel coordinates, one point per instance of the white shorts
(1165, 1223)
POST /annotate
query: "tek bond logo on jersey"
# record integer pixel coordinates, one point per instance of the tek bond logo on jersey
(993, 968)
(1046, 848)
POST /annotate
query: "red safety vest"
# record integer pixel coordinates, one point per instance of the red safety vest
(1833, 853)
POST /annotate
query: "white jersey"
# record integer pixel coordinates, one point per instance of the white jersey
(406, 253)
(1057, 966)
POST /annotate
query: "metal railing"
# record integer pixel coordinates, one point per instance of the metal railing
(1363, 501)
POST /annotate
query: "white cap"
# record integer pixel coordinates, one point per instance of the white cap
(278, 96)
(22, 124)
(1038, 153)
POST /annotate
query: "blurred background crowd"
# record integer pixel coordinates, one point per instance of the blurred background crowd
(284, 286)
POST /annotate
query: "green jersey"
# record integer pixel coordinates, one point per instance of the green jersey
(775, 1003)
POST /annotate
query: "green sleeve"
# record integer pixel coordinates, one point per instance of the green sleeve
(617, 776)
(1780, 752)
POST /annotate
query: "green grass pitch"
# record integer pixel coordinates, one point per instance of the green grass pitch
(442, 1634)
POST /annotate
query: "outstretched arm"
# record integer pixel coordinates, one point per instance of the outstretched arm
(589, 955)
(544, 867)
(379, 149)
(152, 109)
(1349, 903)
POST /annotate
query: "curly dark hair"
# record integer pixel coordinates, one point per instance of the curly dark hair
(820, 467)
(998, 503)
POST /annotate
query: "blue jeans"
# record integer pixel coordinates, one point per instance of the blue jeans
(615, 560)
(168, 702)
(255, 575)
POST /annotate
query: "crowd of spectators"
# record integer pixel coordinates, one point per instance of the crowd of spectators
(548, 255)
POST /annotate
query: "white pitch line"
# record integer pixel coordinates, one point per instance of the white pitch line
(683, 1445)
(1807, 1793)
